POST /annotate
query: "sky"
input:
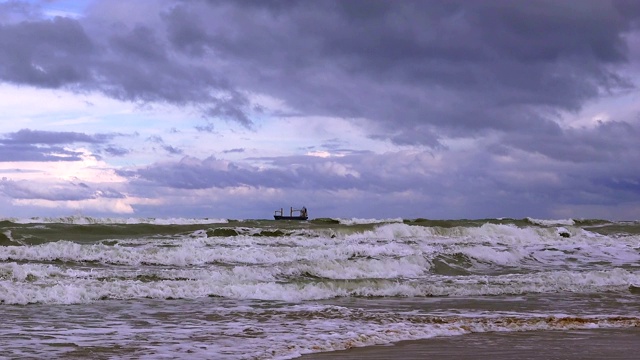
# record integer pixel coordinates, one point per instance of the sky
(439, 109)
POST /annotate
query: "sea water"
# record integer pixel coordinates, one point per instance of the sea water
(83, 287)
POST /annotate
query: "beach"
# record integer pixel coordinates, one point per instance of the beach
(565, 345)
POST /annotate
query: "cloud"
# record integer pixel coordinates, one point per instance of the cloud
(480, 106)
(366, 172)
(513, 183)
(45, 53)
(421, 71)
(168, 148)
(36, 145)
(172, 150)
(58, 191)
(606, 142)
(50, 137)
(130, 64)
(116, 151)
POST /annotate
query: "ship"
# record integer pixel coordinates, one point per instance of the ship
(294, 214)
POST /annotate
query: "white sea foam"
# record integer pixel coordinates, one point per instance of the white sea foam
(392, 259)
(530, 248)
(356, 221)
(282, 332)
(552, 222)
(30, 283)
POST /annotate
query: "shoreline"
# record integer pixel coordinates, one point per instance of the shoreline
(593, 344)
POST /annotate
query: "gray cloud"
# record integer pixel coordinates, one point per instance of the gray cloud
(497, 74)
(607, 142)
(172, 149)
(62, 191)
(480, 183)
(28, 136)
(116, 151)
(36, 153)
(37, 145)
(420, 70)
(192, 173)
(125, 63)
(168, 148)
(45, 53)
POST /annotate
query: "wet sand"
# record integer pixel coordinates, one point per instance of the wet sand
(533, 345)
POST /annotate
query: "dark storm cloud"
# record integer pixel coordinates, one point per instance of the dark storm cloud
(420, 70)
(16, 11)
(45, 53)
(126, 63)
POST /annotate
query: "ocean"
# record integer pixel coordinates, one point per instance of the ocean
(99, 288)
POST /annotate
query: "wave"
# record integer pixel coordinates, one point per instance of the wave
(487, 248)
(551, 222)
(56, 282)
(345, 225)
(356, 221)
(263, 280)
(292, 261)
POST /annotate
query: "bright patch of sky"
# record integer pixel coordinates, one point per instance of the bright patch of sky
(148, 129)
(618, 107)
(64, 8)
